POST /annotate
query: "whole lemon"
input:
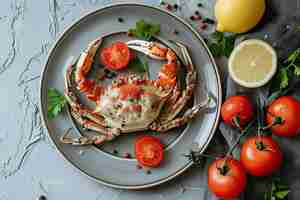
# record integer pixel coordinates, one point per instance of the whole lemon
(238, 16)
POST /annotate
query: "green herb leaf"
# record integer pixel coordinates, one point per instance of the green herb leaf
(144, 30)
(278, 190)
(283, 78)
(297, 70)
(56, 102)
(282, 194)
(221, 44)
(294, 56)
(138, 65)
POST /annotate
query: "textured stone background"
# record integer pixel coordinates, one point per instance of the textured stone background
(29, 163)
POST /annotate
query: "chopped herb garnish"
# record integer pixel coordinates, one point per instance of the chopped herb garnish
(138, 65)
(221, 44)
(56, 102)
(144, 30)
(131, 100)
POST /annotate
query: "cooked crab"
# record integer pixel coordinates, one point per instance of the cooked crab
(132, 102)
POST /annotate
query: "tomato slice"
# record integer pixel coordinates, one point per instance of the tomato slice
(105, 56)
(116, 56)
(149, 151)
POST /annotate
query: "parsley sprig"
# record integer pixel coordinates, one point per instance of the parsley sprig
(144, 30)
(290, 67)
(277, 190)
(221, 44)
(56, 102)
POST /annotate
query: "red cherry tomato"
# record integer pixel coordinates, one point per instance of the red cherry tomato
(288, 109)
(149, 151)
(116, 56)
(226, 182)
(261, 156)
(237, 106)
(130, 91)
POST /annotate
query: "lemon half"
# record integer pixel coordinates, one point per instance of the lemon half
(252, 63)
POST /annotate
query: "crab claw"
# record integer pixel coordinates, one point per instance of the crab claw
(153, 49)
(85, 60)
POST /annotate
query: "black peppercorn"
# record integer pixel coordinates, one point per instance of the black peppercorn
(197, 12)
(115, 151)
(200, 5)
(127, 155)
(175, 32)
(120, 19)
(148, 171)
(42, 197)
(175, 6)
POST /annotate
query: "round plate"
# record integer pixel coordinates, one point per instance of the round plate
(100, 163)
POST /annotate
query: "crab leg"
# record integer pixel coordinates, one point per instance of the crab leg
(74, 103)
(171, 110)
(88, 124)
(108, 134)
(84, 140)
(85, 60)
(177, 122)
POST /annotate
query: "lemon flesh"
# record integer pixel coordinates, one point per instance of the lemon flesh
(238, 16)
(252, 63)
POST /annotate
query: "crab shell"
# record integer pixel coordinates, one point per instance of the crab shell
(134, 112)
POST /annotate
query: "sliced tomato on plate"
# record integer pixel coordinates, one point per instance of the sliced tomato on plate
(149, 151)
(116, 56)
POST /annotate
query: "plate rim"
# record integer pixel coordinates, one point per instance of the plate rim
(61, 37)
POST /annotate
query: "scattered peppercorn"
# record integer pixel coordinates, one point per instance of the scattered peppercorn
(175, 32)
(162, 3)
(169, 7)
(209, 21)
(127, 155)
(148, 171)
(42, 197)
(130, 34)
(197, 12)
(139, 167)
(115, 151)
(198, 17)
(175, 6)
(120, 19)
(200, 5)
(192, 17)
(203, 26)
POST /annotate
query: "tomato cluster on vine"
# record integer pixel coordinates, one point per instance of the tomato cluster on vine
(260, 155)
